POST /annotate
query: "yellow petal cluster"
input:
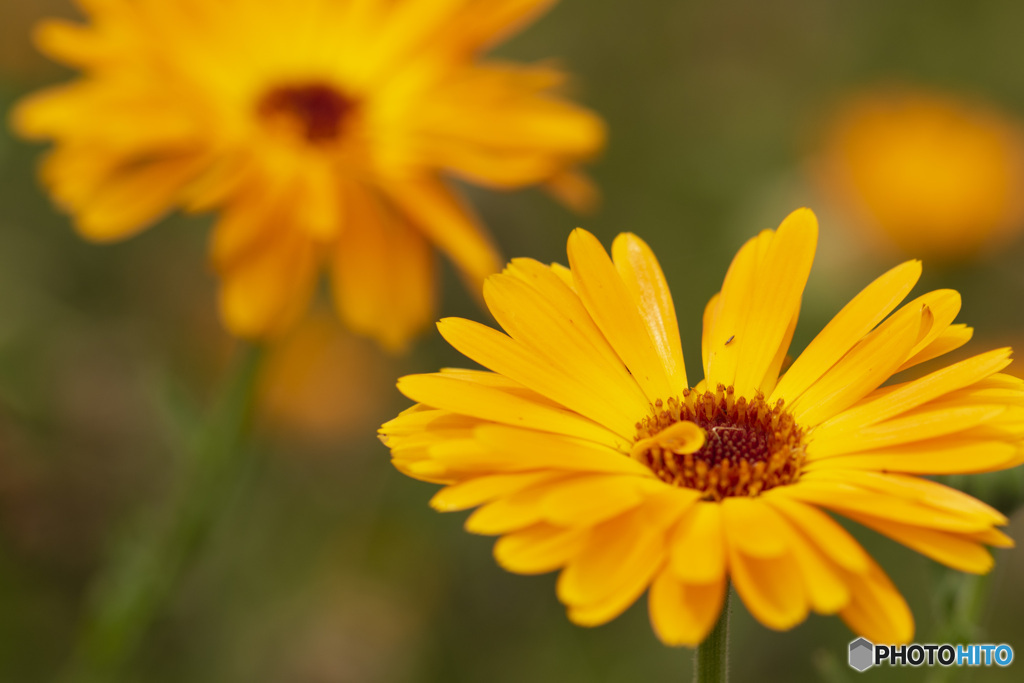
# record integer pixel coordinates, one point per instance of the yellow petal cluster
(324, 133)
(544, 442)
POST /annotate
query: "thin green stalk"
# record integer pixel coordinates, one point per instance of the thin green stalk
(711, 662)
(960, 603)
(140, 579)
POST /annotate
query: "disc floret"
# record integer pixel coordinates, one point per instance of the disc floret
(316, 111)
(748, 446)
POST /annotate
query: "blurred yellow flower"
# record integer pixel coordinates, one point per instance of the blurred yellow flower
(589, 451)
(932, 175)
(322, 130)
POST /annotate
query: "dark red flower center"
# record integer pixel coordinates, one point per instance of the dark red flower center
(748, 448)
(318, 111)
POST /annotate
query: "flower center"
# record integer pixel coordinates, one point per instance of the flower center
(748, 447)
(316, 111)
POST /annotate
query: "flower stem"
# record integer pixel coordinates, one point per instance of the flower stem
(142, 575)
(959, 605)
(711, 661)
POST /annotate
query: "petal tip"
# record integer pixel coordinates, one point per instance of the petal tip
(579, 234)
(803, 219)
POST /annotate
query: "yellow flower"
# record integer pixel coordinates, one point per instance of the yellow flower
(323, 130)
(927, 173)
(588, 450)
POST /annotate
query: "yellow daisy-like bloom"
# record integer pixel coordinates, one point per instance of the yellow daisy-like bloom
(927, 173)
(322, 130)
(588, 449)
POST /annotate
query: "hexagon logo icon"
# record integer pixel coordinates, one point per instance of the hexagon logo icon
(862, 654)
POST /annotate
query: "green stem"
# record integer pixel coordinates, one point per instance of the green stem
(711, 662)
(960, 603)
(139, 580)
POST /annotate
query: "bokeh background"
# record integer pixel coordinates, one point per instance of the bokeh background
(328, 566)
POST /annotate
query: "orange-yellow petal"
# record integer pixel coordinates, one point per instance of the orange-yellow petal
(616, 565)
(867, 365)
(266, 292)
(514, 408)
(876, 610)
(719, 348)
(842, 333)
(781, 277)
(832, 539)
(539, 549)
(642, 275)
(684, 613)
(904, 397)
(697, 545)
(771, 587)
(616, 313)
(952, 550)
(536, 309)
(508, 357)
(447, 222)
(753, 527)
(382, 273)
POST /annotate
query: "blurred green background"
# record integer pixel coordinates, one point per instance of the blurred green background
(329, 567)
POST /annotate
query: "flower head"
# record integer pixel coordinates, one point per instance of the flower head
(928, 174)
(322, 130)
(587, 449)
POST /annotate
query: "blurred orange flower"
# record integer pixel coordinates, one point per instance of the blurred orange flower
(930, 174)
(322, 130)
